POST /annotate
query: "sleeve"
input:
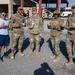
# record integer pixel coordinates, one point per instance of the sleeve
(24, 21)
(61, 21)
(67, 24)
(12, 21)
(41, 25)
(29, 23)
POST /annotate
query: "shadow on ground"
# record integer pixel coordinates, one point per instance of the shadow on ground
(63, 49)
(44, 70)
(24, 46)
(50, 45)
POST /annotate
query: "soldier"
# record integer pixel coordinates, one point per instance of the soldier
(55, 26)
(70, 43)
(17, 22)
(35, 24)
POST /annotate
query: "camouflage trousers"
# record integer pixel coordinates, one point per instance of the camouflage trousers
(34, 38)
(17, 39)
(55, 43)
(69, 45)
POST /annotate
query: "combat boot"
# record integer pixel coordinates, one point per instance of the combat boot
(30, 53)
(20, 53)
(56, 59)
(70, 58)
(12, 55)
(70, 62)
(52, 57)
(38, 53)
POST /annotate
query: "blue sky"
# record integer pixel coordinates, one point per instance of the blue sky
(63, 5)
(72, 2)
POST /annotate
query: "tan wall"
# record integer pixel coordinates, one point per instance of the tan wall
(15, 2)
(4, 1)
(10, 4)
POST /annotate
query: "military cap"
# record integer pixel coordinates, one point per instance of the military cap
(56, 12)
(34, 9)
(73, 6)
(20, 8)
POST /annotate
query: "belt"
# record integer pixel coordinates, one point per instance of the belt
(15, 27)
(54, 29)
(71, 29)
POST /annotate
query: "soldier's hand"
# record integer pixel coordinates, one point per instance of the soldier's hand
(9, 26)
(31, 27)
(73, 25)
(48, 26)
(40, 34)
(17, 25)
(24, 25)
(63, 25)
(54, 26)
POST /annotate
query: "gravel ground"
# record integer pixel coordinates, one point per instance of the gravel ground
(34, 65)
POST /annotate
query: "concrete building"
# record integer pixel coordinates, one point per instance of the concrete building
(57, 2)
(11, 5)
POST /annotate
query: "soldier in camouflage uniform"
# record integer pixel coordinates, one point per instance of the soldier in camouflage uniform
(55, 26)
(35, 24)
(17, 22)
(70, 25)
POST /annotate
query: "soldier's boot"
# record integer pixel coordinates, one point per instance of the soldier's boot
(20, 53)
(56, 59)
(70, 62)
(12, 55)
(54, 55)
(70, 59)
(30, 53)
(38, 53)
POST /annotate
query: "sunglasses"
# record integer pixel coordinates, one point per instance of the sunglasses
(4, 15)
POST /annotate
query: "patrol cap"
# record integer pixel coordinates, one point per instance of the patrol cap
(20, 8)
(34, 9)
(73, 6)
(56, 12)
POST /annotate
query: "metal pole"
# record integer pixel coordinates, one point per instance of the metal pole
(22, 3)
(40, 7)
(58, 5)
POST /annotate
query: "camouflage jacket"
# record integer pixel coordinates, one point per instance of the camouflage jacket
(17, 19)
(38, 24)
(55, 23)
(70, 20)
(71, 30)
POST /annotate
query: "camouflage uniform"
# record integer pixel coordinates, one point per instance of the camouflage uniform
(34, 32)
(17, 32)
(55, 36)
(70, 37)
